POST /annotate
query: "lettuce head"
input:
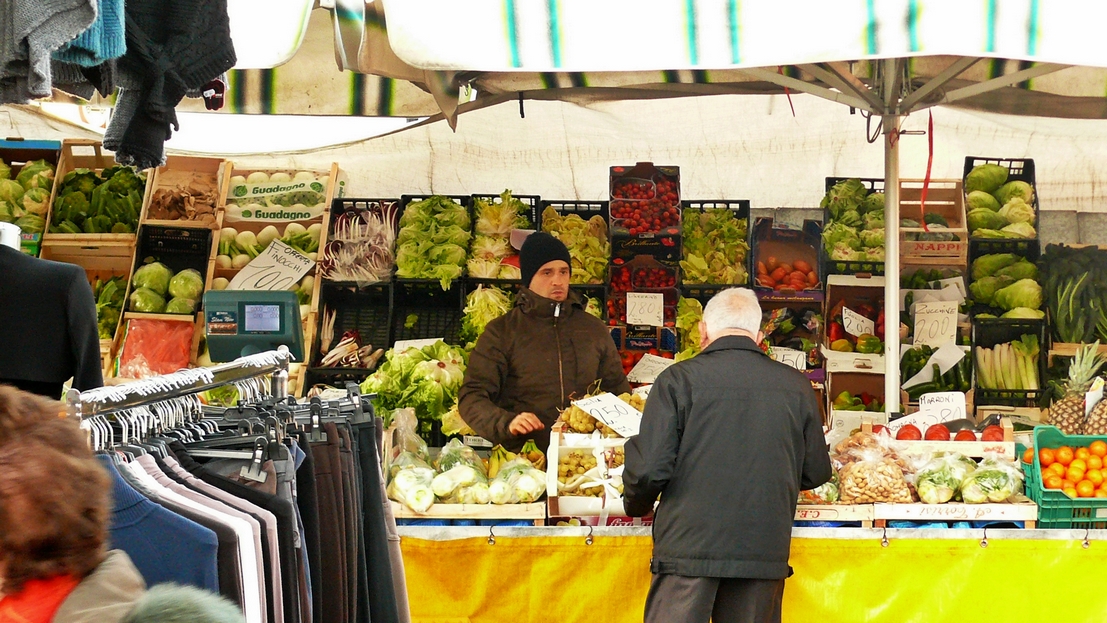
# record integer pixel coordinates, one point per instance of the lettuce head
(1004, 194)
(983, 218)
(980, 199)
(985, 177)
(991, 264)
(1017, 211)
(1023, 293)
(155, 277)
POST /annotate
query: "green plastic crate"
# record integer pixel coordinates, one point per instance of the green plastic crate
(1055, 509)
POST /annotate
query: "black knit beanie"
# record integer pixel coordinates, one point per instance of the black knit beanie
(538, 249)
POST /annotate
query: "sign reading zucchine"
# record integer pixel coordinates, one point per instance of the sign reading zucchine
(277, 197)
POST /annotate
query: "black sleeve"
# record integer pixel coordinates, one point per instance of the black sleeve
(84, 336)
(650, 456)
(816, 458)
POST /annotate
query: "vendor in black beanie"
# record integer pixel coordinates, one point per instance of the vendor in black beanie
(530, 363)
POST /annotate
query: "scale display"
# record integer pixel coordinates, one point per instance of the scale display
(263, 318)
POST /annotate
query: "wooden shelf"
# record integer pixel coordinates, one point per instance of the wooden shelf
(1025, 511)
(535, 511)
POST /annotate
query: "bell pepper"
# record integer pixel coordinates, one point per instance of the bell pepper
(847, 402)
(869, 344)
(834, 332)
(879, 330)
(842, 346)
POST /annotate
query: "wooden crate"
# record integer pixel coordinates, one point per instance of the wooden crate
(535, 512)
(180, 171)
(836, 512)
(16, 152)
(120, 335)
(84, 154)
(944, 197)
(576, 506)
(1023, 510)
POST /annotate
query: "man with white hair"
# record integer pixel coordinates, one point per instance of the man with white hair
(728, 440)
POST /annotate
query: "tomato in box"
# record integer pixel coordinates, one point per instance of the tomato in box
(909, 432)
(937, 432)
(965, 435)
(992, 433)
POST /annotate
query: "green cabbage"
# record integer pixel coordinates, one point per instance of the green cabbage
(36, 201)
(587, 241)
(983, 218)
(849, 217)
(838, 233)
(984, 290)
(179, 305)
(31, 223)
(1022, 269)
(498, 219)
(426, 380)
(872, 238)
(5, 171)
(989, 484)
(1017, 211)
(482, 306)
(980, 199)
(873, 220)
(715, 247)
(1004, 194)
(9, 212)
(689, 314)
(36, 174)
(992, 263)
(1019, 230)
(874, 254)
(1024, 313)
(1023, 293)
(11, 191)
(873, 203)
(187, 284)
(940, 479)
(986, 177)
(490, 248)
(844, 196)
(434, 235)
(154, 276)
(147, 301)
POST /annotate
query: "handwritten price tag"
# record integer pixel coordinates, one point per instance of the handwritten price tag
(855, 324)
(935, 323)
(647, 368)
(276, 268)
(945, 406)
(791, 357)
(646, 308)
(621, 417)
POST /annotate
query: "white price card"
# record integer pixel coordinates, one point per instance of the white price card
(647, 368)
(955, 282)
(646, 308)
(1094, 395)
(855, 324)
(946, 406)
(947, 356)
(935, 323)
(607, 408)
(791, 357)
(403, 345)
(278, 267)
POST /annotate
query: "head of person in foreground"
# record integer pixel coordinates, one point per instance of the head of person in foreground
(545, 265)
(731, 312)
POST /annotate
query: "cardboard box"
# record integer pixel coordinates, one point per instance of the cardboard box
(15, 153)
(852, 292)
(786, 246)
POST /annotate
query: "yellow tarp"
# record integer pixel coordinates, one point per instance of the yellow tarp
(563, 580)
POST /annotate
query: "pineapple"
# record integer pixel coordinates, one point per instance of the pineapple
(1067, 413)
(1097, 420)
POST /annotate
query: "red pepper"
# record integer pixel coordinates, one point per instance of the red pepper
(834, 332)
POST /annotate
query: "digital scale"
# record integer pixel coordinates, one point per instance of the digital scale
(245, 322)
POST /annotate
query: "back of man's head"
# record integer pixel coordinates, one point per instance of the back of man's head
(733, 308)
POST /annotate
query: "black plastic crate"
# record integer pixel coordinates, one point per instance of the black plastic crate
(367, 310)
(437, 312)
(377, 206)
(531, 201)
(986, 333)
(179, 248)
(1030, 249)
(1018, 169)
(837, 267)
(741, 209)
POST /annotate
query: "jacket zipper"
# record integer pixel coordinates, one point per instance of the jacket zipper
(560, 365)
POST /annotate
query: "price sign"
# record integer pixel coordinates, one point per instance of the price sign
(1094, 395)
(403, 345)
(935, 323)
(791, 357)
(945, 406)
(278, 267)
(647, 368)
(646, 308)
(855, 324)
(955, 282)
(621, 417)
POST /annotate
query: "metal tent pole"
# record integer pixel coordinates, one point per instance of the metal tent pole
(890, 123)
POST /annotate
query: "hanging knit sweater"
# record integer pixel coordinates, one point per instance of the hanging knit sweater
(29, 31)
(173, 46)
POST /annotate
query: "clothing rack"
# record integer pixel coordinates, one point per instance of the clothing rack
(104, 400)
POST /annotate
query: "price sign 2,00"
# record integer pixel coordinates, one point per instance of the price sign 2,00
(935, 322)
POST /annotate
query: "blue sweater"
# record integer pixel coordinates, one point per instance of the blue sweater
(164, 546)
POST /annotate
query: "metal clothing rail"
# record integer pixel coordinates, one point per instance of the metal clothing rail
(103, 400)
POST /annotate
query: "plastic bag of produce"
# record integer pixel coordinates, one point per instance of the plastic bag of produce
(155, 276)
(153, 347)
(517, 483)
(826, 493)
(405, 439)
(461, 475)
(187, 284)
(940, 479)
(873, 477)
(456, 453)
(995, 480)
(411, 482)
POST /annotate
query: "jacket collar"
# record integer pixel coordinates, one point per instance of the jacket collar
(106, 594)
(541, 307)
(734, 342)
